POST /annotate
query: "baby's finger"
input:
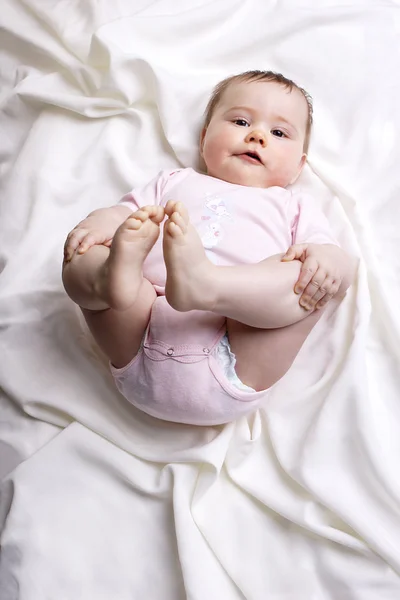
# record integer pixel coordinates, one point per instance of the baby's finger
(332, 290)
(90, 239)
(316, 283)
(296, 251)
(72, 242)
(321, 292)
(324, 301)
(308, 269)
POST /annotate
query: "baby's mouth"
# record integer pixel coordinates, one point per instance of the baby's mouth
(251, 157)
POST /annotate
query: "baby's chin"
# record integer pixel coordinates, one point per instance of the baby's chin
(245, 178)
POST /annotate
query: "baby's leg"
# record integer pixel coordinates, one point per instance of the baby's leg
(266, 325)
(263, 356)
(260, 295)
(109, 287)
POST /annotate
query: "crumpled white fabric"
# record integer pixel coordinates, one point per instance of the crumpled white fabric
(300, 501)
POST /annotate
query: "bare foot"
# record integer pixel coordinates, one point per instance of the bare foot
(190, 274)
(121, 277)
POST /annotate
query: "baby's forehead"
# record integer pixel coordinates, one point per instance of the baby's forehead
(263, 95)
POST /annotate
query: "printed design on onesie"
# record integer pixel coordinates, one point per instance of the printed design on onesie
(215, 213)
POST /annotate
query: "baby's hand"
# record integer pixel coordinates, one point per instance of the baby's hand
(324, 268)
(97, 229)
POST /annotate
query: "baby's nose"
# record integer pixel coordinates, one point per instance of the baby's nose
(257, 137)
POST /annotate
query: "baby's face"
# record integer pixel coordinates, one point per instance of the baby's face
(256, 135)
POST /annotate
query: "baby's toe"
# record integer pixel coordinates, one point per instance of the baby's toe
(170, 207)
(141, 215)
(174, 230)
(181, 209)
(179, 221)
(156, 213)
(132, 222)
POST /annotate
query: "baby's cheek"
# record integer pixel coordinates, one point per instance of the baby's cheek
(214, 155)
(289, 165)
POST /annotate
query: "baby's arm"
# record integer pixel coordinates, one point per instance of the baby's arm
(327, 271)
(98, 228)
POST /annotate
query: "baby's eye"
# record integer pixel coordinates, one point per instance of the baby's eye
(278, 133)
(241, 122)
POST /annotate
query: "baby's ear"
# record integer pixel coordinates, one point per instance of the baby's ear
(302, 162)
(202, 137)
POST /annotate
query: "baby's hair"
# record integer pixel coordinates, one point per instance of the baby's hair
(248, 77)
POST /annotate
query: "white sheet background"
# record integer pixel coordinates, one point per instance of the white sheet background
(302, 500)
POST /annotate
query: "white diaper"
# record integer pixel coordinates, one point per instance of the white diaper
(227, 361)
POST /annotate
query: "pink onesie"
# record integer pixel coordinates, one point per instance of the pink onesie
(176, 376)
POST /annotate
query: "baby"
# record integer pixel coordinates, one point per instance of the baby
(198, 323)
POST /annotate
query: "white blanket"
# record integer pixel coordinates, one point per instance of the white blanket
(301, 501)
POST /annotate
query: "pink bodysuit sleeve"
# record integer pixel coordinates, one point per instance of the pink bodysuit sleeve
(308, 222)
(150, 194)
